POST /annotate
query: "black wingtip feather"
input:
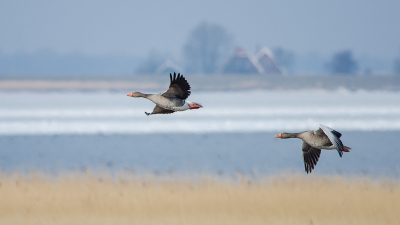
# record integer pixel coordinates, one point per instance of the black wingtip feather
(310, 158)
(307, 163)
(336, 133)
(181, 83)
(340, 150)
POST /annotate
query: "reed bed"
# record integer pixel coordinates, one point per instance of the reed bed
(129, 199)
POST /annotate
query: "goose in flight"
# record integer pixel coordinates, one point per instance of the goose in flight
(174, 99)
(313, 141)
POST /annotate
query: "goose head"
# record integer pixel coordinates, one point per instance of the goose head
(135, 94)
(282, 135)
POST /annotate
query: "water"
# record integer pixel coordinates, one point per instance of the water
(233, 133)
(34, 113)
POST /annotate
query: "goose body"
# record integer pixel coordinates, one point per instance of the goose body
(313, 141)
(174, 99)
(174, 104)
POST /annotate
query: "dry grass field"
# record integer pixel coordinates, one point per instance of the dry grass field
(285, 199)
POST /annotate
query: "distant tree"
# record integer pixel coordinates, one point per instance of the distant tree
(284, 58)
(343, 63)
(396, 65)
(206, 47)
(151, 63)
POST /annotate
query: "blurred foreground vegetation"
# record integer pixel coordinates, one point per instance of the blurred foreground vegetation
(130, 199)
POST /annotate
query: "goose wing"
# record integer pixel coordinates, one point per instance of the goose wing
(310, 156)
(160, 110)
(320, 132)
(178, 88)
(333, 136)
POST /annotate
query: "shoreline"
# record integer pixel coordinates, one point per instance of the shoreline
(204, 82)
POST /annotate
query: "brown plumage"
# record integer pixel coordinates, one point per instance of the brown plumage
(174, 99)
(313, 141)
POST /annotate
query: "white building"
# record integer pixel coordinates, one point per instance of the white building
(241, 62)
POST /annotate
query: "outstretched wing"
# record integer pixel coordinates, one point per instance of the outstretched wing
(160, 110)
(333, 136)
(320, 132)
(310, 156)
(178, 88)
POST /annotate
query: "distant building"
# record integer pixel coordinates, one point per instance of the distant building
(242, 62)
(266, 59)
(169, 67)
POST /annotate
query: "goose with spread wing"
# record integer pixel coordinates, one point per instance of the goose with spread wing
(174, 99)
(313, 141)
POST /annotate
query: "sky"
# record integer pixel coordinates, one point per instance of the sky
(134, 28)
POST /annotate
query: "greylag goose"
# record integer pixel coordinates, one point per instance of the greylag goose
(313, 141)
(174, 99)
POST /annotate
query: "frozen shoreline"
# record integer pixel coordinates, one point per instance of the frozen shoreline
(103, 112)
(203, 82)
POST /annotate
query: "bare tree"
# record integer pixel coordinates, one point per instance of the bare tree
(396, 65)
(206, 47)
(343, 63)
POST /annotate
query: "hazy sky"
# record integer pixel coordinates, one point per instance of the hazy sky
(134, 28)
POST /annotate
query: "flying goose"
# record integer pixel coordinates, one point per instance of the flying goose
(313, 141)
(174, 99)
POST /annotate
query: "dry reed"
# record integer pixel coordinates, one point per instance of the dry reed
(286, 199)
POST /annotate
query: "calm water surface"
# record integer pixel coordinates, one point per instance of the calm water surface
(233, 133)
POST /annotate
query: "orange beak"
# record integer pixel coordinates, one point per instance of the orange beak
(130, 95)
(278, 135)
